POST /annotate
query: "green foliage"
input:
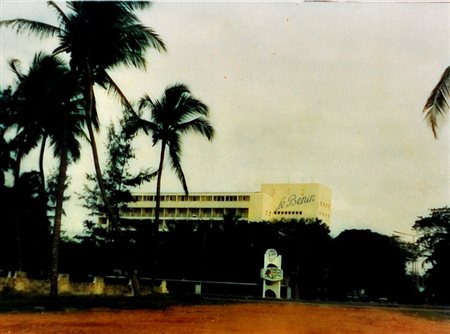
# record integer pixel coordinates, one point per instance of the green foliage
(6, 120)
(25, 221)
(234, 250)
(434, 242)
(437, 106)
(118, 180)
(369, 261)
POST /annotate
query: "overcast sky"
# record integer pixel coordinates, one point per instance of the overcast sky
(298, 92)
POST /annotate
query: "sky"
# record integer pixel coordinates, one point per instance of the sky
(298, 92)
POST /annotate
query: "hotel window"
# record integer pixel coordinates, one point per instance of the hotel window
(182, 212)
(205, 212)
(170, 212)
(217, 213)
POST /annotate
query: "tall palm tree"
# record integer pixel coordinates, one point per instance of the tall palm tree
(175, 114)
(98, 36)
(64, 132)
(49, 106)
(437, 106)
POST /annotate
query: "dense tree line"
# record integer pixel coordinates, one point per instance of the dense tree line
(316, 265)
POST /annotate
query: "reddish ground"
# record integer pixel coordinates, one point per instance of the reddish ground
(238, 318)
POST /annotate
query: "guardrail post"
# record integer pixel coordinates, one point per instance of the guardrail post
(198, 288)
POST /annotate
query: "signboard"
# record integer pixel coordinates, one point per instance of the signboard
(272, 274)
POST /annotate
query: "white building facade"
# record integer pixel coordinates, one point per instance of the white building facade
(272, 202)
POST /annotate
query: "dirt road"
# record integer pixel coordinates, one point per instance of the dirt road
(258, 318)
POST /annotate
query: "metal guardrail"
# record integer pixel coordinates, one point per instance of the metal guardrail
(209, 287)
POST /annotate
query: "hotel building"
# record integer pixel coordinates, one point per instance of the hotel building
(272, 202)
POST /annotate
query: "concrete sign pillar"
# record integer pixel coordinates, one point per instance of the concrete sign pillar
(272, 274)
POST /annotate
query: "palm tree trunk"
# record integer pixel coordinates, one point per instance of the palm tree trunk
(158, 186)
(41, 163)
(98, 172)
(18, 242)
(63, 162)
(16, 174)
(155, 228)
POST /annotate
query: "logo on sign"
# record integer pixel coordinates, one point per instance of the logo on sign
(272, 274)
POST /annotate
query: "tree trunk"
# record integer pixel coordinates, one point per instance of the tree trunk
(16, 174)
(158, 185)
(155, 228)
(63, 162)
(101, 185)
(41, 163)
(89, 96)
(18, 240)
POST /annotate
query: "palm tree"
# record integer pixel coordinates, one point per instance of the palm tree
(175, 114)
(49, 106)
(30, 114)
(437, 106)
(64, 131)
(98, 36)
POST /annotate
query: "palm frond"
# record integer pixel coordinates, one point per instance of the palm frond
(61, 49)
(146, 102)
(146, 36)
(41, 29)
(189, 106)
(94, 116)
(437, 106)
(134, 124)
(175, 153)
(143, 176)
(14, 66)
(115, 91)
(199, 125)
(62, 17)
(133, 5)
